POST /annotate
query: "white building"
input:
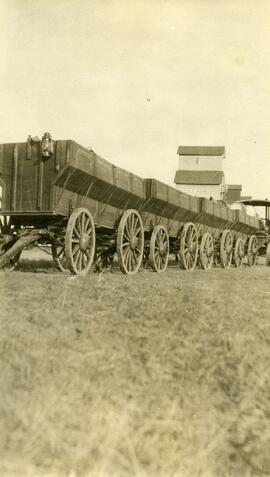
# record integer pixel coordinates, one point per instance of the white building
(200, 171)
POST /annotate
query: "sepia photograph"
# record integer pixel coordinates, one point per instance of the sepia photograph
(135, 238)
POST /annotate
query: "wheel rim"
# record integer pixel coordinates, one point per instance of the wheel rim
(80, 241)
(207, 251)
(159, 249)
(130, 242)
(59, 256)
(226, 249)
(239, 253)
(189, 247)
(252, 251)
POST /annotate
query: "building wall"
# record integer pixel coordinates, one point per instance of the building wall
(214, 191)
(200, 163)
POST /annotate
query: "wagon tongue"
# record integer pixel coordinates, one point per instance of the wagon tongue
(18, 246)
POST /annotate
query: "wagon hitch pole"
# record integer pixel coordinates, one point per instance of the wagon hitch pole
(19, 245)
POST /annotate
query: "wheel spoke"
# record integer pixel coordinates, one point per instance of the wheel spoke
(128, 225)
(127, 237)
(87, 225)
(85, 259)
(76, 232)
(134, 259)
(129, 260)
(125, 252)
(76, 257)
(82, 221)
(137, 232)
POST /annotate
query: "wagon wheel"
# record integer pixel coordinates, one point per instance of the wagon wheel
(159, 249)
(80, 241)
(239, 252)
(58, 254)
(207, 251)
(130, 241)
(252, 251)
(226, 249)
(189, 247)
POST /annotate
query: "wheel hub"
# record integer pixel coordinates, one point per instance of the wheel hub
(162, 250)
(133, 242)
(84, 241)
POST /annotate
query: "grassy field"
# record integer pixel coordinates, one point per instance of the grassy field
(150, 375)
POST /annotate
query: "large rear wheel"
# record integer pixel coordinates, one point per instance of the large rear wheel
(130, 242)
(207, 251)
(80, 241)
(252, 251)
(159, 249)
(226, 249)
(239, 253)
(188, 247)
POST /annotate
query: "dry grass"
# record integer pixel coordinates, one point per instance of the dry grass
(151, 375)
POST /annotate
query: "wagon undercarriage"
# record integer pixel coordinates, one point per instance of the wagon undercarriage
(77, 245)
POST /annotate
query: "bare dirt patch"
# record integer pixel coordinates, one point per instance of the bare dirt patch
(149, 375)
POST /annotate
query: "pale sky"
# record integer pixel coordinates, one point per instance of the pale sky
(135, 79)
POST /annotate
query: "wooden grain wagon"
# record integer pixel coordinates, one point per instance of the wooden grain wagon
(61, 194)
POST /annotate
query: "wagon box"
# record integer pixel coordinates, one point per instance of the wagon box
(245, 223)
(104, 188)
(216, 214)
(43, 182)
(55, 185)
(166, 201)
